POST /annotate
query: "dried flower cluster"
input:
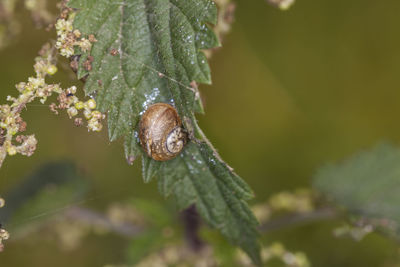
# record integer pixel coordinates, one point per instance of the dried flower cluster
(226, 16)
(300, 201)
(11, 123)
(277, 251)
(68, 38)
(178, 255)
(69, 101)
(226, 12)
(4, 235)
(358, 227)
(355, 232)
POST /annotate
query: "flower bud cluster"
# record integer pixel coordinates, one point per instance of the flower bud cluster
(11, 123)
(68, 38)
(69, 101)
(299, 201)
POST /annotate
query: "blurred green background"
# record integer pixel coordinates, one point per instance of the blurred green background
(291, 90)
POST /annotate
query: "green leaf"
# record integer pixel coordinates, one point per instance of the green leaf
(159, 44)
(367, 185)
(43, 192)
(150, 168)
(157, 214)
(159, 53)
(143, 245)
(158, 217)
(218, 196)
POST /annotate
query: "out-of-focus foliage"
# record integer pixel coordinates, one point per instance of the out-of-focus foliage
(153, 230)
(367, 185)
(40, 13)
(300, 201)
(161, 230)
(48, 190)
(9, 25)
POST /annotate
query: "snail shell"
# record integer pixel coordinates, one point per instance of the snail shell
(160, 132)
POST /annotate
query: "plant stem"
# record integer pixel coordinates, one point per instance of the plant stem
(191, 221)
(299, 219)
(97, 219)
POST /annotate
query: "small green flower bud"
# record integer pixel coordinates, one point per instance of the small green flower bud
(13, 131)
(72, 100)
(36, 82)
(85, 45)
(72, 112)
(77, 33)
(40, 93)
(79, 105)
(97, 115)
(11, 150)
(71, 90)
(21, 86)
(51, 70)
(87, 113)
(94, 125)
(9, 120)
(91, 103)
(43, 100)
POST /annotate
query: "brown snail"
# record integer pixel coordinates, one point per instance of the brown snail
(160, 132)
